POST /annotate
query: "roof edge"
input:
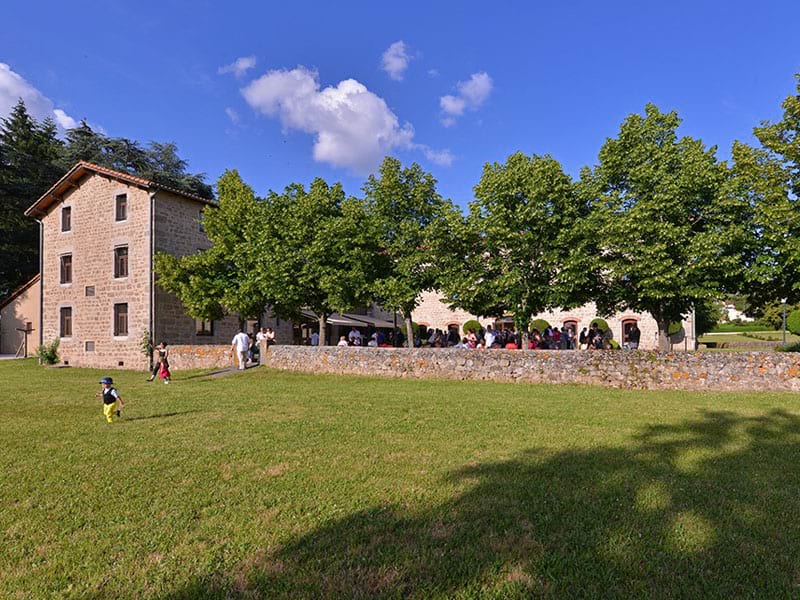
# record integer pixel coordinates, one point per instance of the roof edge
(19, 291)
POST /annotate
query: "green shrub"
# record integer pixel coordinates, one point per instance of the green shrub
(539, 324)
(793, 322)
(674, 328)
(794, 347)
(473, 325)
(613, 344)
(601, 324)
(48, 353)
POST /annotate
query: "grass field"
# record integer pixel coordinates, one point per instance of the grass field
(267, 484)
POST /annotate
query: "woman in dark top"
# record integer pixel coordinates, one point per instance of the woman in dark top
(161, 356)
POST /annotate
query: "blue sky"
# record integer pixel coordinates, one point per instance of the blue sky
(472, 81)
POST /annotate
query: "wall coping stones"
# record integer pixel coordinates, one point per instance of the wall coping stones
(627, 369)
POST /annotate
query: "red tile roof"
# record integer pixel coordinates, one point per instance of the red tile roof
(74, 175)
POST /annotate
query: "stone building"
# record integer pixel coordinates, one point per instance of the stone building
(19, 320)
(435, 313)
(100, 230)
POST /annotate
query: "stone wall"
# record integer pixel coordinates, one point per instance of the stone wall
(185, 357)
(756, 371)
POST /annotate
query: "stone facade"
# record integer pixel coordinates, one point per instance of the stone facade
(91, 240)
(184, 357)
(433, 312)
(20, 311)
(756, 371)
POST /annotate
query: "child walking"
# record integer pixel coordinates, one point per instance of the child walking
(163, 369)
(112, 401)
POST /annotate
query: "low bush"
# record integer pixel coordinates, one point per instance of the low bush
(473, 325)
(794, 347)
(733, 327)
(601, 324)
(793, 322)
(48, 353)
(539, 324)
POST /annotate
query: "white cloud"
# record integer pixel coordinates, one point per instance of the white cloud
(14, 87)
(395, 60)
(472, 94)
(433, 72)
(238, 67)
(353, 127)
(232, 115)
(443, 158)
(64, 119)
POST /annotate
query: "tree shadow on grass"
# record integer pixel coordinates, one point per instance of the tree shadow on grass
(705, 508)
(159, 416)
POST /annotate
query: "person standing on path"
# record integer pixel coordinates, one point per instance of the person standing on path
(634, 335)
(241, 345)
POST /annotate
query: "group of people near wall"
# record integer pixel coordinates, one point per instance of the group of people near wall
(549, 338)
(246, 349)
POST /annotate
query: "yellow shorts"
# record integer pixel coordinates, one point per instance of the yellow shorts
(110, 410)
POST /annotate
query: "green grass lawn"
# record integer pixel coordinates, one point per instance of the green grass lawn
(268, 484)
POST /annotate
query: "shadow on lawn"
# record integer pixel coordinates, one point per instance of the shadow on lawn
(708, 507)
(159, 416)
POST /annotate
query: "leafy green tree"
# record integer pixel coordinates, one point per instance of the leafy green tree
(29, 155)
(520, 254)
(670, 232)
(410, 220)
(319, 256)
(222, 279)
(769, 178)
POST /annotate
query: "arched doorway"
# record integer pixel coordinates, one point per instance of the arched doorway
(628, 326)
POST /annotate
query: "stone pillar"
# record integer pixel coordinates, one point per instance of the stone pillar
(262, 352)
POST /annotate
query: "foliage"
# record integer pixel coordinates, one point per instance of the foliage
(223, 278)
(146, 343)
(669, 231)
(410, 221)
(48, 353)
(706, 316)
(771, 315)
(518, 255)
(602, 325)
(539, 324)
(793, 321)
(29, 154)
(793, 347)
(768, 177)
(473, 325)
(734, 327)
(321, 253)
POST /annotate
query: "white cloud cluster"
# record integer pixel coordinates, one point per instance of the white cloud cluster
(395, 60)
(238, 67)
(232, 115)
(13, 87)
(471, 95)
(354, 127)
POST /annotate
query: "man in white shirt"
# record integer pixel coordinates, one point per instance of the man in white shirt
(489, 336)
(240, 345)
(354, 336)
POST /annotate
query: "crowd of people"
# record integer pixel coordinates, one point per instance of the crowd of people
(549, 338)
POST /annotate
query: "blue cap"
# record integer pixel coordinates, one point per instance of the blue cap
(107, 380)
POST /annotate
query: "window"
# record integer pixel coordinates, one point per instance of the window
(66, 218)
(89, 291)
(121, 319)
(121, 207)
(204, 327)
(66, 268)
(65, 326)
(121, 261)
(200, 222)
(89, 346)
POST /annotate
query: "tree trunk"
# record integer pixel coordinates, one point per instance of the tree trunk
(664, 344)
(409, 330)
(323, 329)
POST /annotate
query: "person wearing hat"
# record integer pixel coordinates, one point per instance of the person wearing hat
(111, 399)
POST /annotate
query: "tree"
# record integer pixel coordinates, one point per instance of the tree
(768, 178)
(29, 153)
(410, 220)
(520, 252)
(222, 279)
(320, 254)
(669, 229)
